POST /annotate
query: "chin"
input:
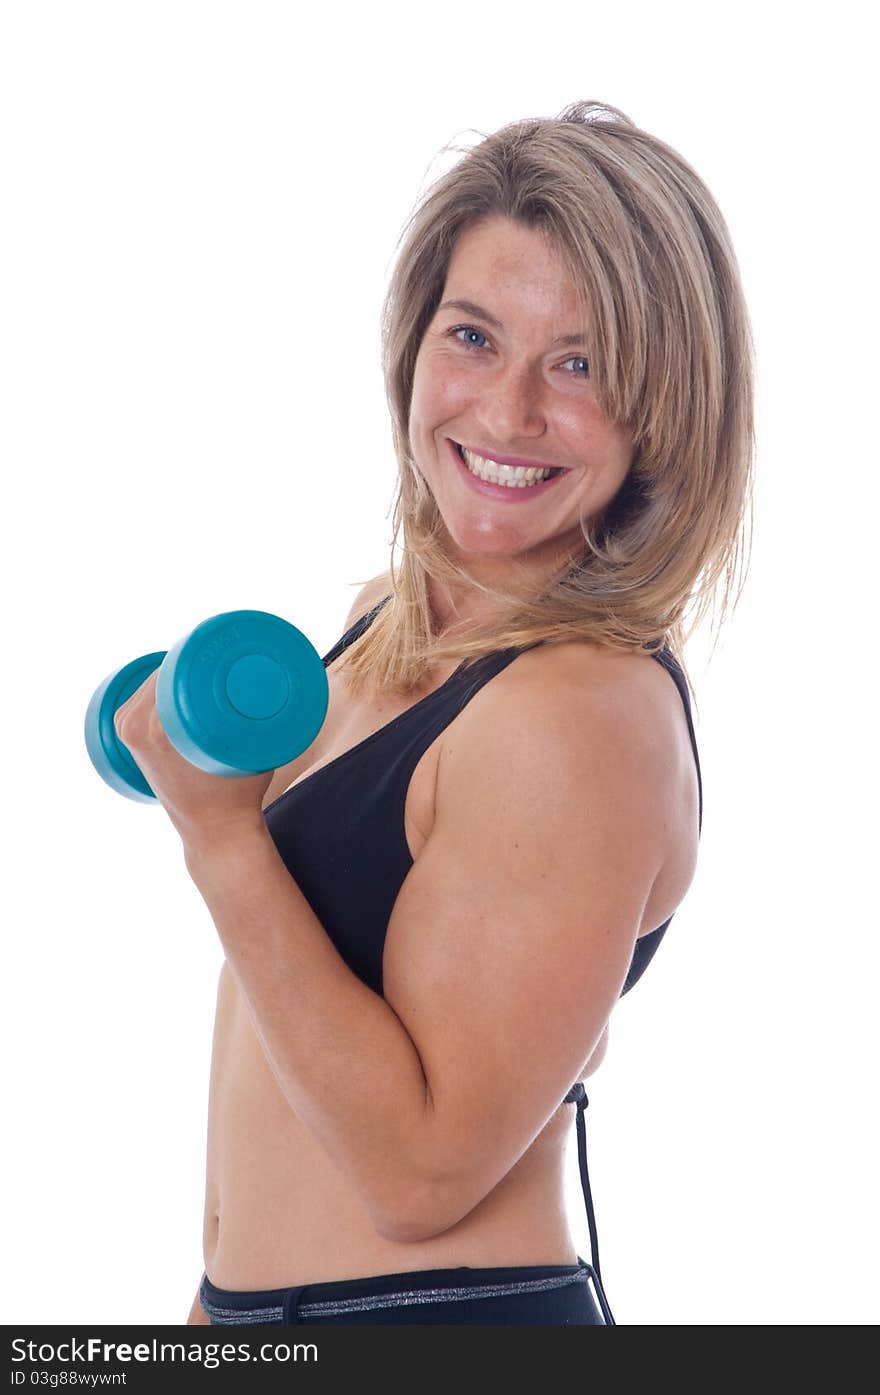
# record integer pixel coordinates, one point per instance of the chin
(469, 549)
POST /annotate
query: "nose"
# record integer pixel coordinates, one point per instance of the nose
(510, 405)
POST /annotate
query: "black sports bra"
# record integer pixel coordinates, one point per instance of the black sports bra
(340, 830)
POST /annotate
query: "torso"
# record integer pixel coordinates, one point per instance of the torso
(277, 1213)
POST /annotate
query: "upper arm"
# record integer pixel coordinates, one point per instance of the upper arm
(512, 934)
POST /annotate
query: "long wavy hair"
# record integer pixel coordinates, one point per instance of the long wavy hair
(671, 358)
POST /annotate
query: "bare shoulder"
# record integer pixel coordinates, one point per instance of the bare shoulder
(582, 736)
(576, 717)
(583, 687)
(649, 695)
(601, 668)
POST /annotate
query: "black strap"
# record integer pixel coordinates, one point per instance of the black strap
(578, 1095)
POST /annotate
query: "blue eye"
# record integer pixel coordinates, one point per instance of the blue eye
(469, 329)
(584, 361)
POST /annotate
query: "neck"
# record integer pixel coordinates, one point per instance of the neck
(457, 607)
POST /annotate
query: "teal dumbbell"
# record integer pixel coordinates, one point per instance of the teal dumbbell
(243, 693)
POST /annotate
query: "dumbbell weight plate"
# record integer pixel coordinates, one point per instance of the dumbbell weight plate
(243, 693)
(112, 760)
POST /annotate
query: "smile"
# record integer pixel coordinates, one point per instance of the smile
(513, 483)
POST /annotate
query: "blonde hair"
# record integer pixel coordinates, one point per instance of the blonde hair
(670, 350)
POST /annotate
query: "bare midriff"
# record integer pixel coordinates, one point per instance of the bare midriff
(277, 1211)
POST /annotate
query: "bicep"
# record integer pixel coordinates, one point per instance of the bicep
(511, 937)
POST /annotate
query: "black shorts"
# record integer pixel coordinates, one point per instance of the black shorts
(541, 1294)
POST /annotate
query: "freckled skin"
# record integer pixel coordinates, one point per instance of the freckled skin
(514, 391)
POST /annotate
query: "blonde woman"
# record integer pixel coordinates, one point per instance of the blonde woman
(428, 917)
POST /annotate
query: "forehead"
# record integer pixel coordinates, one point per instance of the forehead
(518, 265)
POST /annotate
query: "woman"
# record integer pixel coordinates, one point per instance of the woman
(428, 916)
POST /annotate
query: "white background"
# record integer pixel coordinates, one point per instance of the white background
(201, 207)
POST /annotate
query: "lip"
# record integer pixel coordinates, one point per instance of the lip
(502, 492)
(511, 459)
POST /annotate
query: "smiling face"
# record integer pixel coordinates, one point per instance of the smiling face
(506, 378)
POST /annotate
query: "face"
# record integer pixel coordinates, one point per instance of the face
(506, 378)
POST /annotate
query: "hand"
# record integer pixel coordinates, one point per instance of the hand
(203, 808)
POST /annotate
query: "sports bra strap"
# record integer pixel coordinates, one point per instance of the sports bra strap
(578, 1095)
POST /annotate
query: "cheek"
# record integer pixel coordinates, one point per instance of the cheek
(582, 420)
(594, 436)
(440, 389)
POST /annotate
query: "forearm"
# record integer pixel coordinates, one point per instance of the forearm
(341, 1056)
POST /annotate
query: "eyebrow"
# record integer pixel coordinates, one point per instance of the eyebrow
(469, 307)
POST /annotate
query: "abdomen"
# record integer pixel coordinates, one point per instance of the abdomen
(278, 1212)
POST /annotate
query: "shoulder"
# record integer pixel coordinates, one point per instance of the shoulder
(582, 733)
(589, 738)
(575, 696)
(599, 669)
(368, 596)
(581, 736)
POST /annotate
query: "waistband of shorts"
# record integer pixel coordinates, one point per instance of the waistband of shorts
(387, 1290)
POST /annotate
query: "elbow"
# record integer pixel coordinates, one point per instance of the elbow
(409, 1223)
(422, 1209)
(441, 1183)
(399, 1230)
(413, 1229)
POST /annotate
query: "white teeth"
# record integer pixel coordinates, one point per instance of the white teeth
(514, 476)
